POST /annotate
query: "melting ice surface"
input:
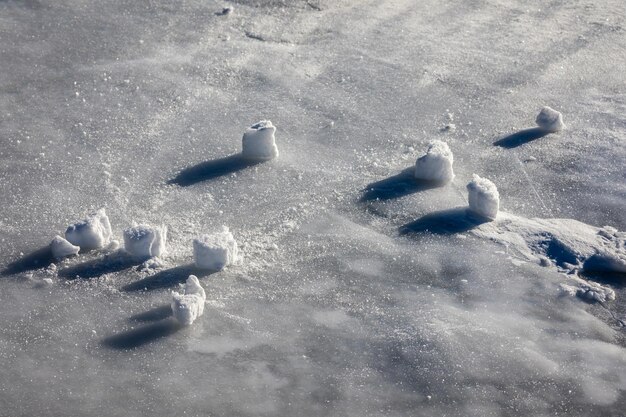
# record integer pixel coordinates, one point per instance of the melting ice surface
(398, 304)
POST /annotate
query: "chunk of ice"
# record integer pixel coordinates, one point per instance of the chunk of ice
(550, 120)
(145, 241)
(62, 248)
(215, 251)
(436, 163)
(189, 305)
(92, 233)
(258, 142)
(483, 196)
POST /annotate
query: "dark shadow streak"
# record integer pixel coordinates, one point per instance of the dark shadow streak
(167, 278)
(397, 186)
(145, 334)
(521, 137)
(35, 260)
(446, 222)
(114, 262)
(155, 314)
(212, 169)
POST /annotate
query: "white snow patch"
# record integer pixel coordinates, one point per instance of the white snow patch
(436, 163)
(145, 241)
(483, 196)
(61, 248)
(215, 251)
(92, 233)
(258, 141)
(550, 120)
(189, 305)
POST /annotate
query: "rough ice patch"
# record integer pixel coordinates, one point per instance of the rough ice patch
(215, 251)
(145, 241)
(258, 141)
(92, 233)
(189, 305)
(483, 196)
(550, 120)
(436, 163)
(62, 248)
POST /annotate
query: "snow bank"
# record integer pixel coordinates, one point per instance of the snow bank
(258, 141)
(144, 241)
(483, 196)
(436, 164)
(550, 120)
(62, 248)
(215, 251)
(91, 233)
(189, 305)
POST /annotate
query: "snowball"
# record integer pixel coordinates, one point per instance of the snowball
(484, 199)
(258, 141)
(145, 241)
(215, 251)
(91, 233)
(550, 120)
(62, 248)
(187, 307)
(436, 164)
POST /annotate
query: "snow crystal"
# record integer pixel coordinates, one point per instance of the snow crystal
(258, 141)
(436, 164)
(189, 305)
(484, 199)
(550, 120)
(215, 251)
(144, 241)
(62, 248)
(91, 233)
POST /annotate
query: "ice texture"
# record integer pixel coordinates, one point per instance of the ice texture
(189, 305)
(215, 251)
(483, 196)
(258, 142)
(436, 164)
(145, 241)
(61, 248)
(550, 120)
(92, 233)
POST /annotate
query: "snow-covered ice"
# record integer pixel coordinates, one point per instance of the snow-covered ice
(92, 233)
(550, 120)
(145, 241)
(436, 164)
(189, 305)
(258, 141)
(61, 248)
(215, 251)
(483, 197)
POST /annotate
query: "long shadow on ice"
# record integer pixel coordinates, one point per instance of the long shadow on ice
(166, 278)
(34, 260)
(397, 186)
(142, 335)
(446, 222)
(155, 314)
(520, 138)
(212, 169)
(114, 262)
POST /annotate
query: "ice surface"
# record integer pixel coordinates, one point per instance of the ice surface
(145, 241)
(550, 120)
(436, 164)
(483, 197)
(258, 141)
(62, 248)
(189, 305)
(92, 233)
(215, 251)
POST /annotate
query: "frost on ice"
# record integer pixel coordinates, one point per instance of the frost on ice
(550, 120)
(215, 251)
(145, 241)
(483, 196)
(61, 248)
(436, 164)
(258, 142)
(189, 305)
(92, 233)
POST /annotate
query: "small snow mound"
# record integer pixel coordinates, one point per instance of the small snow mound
(145, 241)
(589, 291)
(92, 233)
(436, 163)
(258, 142)
(550, 120)
(483, 196)
(215, 251)
(62, 248)
(189, 305)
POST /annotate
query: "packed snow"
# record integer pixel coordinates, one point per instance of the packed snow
(189, 305)
(550, 120)
(436, 164)
(483, 198)
(92, 233)
(259, 143)
(145, 241)
(215, 251)
(61, 248)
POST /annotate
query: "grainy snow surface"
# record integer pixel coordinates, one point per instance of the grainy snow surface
(359, 292)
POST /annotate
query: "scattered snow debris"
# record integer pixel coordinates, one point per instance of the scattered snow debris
(145, 241)
(152, 263)
(62, 248)
(91, 233)
(215, 251)
(483, 196)
(550, 120)
(590, 291)
(436, 163)
(47, 281)
(189, 305)
(258, 141)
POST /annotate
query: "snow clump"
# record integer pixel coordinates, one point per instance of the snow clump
(484, 199)
(92, 233)
(436, 164)
(144, 241)
(61, 248)
(215, 251)
(189, 305)
(258, 142)
(550, 120)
